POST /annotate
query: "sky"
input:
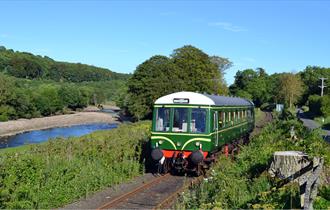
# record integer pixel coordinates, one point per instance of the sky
(279, 36)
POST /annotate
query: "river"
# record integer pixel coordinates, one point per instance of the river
(38, 136)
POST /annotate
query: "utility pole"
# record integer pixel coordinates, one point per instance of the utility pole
(322, 85)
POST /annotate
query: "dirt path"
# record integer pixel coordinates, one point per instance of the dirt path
(19, 126)
(268, 117)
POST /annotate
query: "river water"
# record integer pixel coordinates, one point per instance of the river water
(33, 137)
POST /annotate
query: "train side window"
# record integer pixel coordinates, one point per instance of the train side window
(222, 119)
(232, 117)
(223, 114)
(163, 119)
(228, 118)
(215, 121)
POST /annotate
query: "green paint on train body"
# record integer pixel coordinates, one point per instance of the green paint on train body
(219, 128)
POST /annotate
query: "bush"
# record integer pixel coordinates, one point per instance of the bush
(6, 112)
(325, 106)
(56, 173)
(244, 183)
(314, 104)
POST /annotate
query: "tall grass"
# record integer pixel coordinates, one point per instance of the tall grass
(57, 172)
(245, 183)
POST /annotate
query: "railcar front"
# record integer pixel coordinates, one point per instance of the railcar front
(180, 133)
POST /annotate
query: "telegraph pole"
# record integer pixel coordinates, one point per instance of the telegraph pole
(322, 85)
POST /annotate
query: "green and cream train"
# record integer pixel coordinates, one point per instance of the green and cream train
(188, 128)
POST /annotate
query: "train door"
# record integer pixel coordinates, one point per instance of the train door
(216, 127)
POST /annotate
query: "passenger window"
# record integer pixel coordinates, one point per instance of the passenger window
(198, 120)
(221, 119)
(223, 114)
(215, 121)
(163, 119)
(249, 114)
(232, 118)
(180, 122)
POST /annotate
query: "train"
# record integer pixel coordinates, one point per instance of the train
(189, 129)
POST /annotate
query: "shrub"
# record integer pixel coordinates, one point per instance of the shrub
(314, 104)
(325, 106)
(244, 183)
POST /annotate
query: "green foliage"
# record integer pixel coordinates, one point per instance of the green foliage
(55, 173)
(47, 100)
(319, 106)
(314, 104)
(27, 65)
(325, 106)
(25, 98)
(311, 79)
(188, 69)
(6, 112)
(253, 85)
(73, 97)
(244, 183)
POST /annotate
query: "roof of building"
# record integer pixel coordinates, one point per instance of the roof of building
(193, 98)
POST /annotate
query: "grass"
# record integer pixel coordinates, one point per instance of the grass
(60, 171)
(245, 183)
(323, 121)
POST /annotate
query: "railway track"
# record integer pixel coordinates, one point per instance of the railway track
(149, 195)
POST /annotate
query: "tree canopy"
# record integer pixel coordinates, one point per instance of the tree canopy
(29, 66)
(187, 69)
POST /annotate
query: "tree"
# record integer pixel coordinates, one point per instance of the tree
(290, 88)
(311, 79)
(153, 78)
(47, 100)
(325, 106)
(196, 70)
(187, 69)
(223, 64)
(72, 97)
(7, 86)
(252, 84)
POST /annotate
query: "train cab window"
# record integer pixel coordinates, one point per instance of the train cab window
(180, 121)
(163, 119)
(198, 121)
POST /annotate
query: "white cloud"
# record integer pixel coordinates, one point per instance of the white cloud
(227, 26)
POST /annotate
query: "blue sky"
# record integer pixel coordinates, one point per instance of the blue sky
(119, 35)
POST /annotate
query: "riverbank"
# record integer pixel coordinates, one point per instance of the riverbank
(14, 127)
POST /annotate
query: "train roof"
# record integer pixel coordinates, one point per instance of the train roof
(193, 98)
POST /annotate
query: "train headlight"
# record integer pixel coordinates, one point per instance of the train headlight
(160, 141)
(197, 144)
(178, 144)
